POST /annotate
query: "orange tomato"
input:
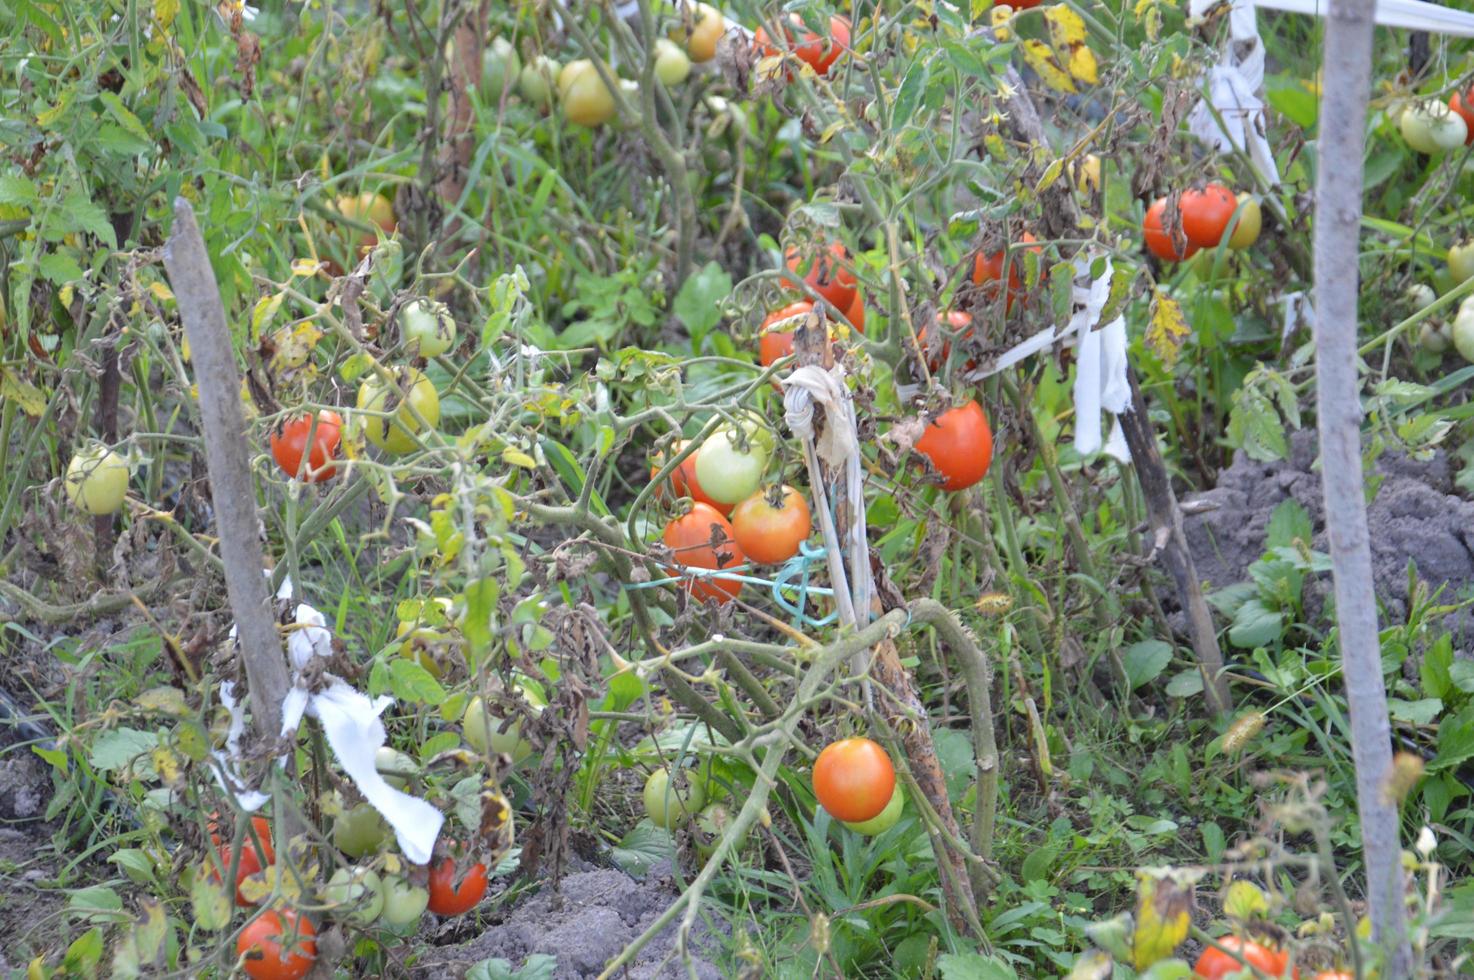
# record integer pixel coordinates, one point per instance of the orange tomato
(453, 895)
(683, 482)
(252, 861)
(703, 538)
(1206, 214)
(818, 52)
(1461, 105)
(827, 274)
(773, 345)
(769, 530)
(856, 313)
(278, 945)
(1159, 241)
(987, 271)
(959, 444)
(854, 779)
(1215, 964)
(288, 440)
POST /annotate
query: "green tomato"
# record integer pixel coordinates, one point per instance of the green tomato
(97, 480)
(882, 821)
(427, 327)
(500, 68)
(668, 805)
(1461, 261)
(1463, 330)
(1431, 127)
(536, 81)
(672, 66)
(484, 730)
(727, 474)
(396, 767)
(355, 895)
(404, 903)
(360, 831)
(396, 432)
(711, 824)
(1434, 337)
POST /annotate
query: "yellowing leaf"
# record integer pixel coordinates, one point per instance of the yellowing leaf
(208, 900)
(999, 16)
(46, 119)
(1168, 329)
(1164, 902)
(14, 388)
(166, 764)
(832, 130)
(293, 346)
(1065, 26)
(1051, 174)
(1150, 14)
(161, 292)
(1067, 38)
(165, 11)
(518, 458)
(1041, 58)
(266, 308)
(304, 268)
(1245, 900)
(1082, 65)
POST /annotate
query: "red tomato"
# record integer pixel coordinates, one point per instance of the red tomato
(856, 313)
(1206, 214)
(449, 896)
(683, 482)
(1461, 104)
(251, 861)
(1158, 241)
(260, 825)
(854, 779)
(773, 344)
(818, 52)
(827, 274)
(959, 444)
(956, 321)
(278, 945)
(691, 536)
(1023, 4)
(770, 532)
(1214, 964)
(289, 439)
(987, 270)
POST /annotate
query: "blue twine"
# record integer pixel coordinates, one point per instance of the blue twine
(795, 567)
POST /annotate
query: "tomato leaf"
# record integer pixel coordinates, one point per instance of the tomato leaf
(410, 682)
(1168, 329)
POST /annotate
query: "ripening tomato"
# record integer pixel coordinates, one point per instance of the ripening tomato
(691, 536)
(1159, 241)
(818, 52)
(586, 99)
(1336, 974)
(776, 344)
(987, 271)
(771, 524)
(404, 903)
(854, 779)
(370, 209)
(97, 480)
(260, 825)
(288, 439)
(1432, 126)
(730, 472)
(1206, 214)
(959, 444)
(826, 273)
(427, 327)
(278, 945)
(701, 27)
(856, 313)
(1461, 104)
(454, 891)
(1251, 220)
(1215, 964)
(683, 482)
(251, 862)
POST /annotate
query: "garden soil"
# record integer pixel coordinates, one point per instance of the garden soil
(1417, 515)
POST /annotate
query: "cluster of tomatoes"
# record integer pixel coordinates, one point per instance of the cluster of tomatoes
(1205, 219)
(280, 942)
(1216, 964)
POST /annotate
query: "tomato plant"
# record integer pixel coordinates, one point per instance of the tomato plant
(771, 524)
(1206, 213)
(97, 480)
(288, 441)
(1159, 240)
(395, 427)
(455, 890)
(670, 802)
(987, 272)
(1215, 964)
(278, 945)
(854, 779)
(959, 445)
(826, 272)
(885, 819)
(703, 538)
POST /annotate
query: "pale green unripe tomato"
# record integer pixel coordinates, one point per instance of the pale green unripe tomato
(672, 66)
(396, 432)
(396, 767)
(1463, 330)
(359, 831)
(1435, 337)
(500, 68)
(884, 820)
(484, 730)
(1432, 127)
(667, 805)
(1461, 261)
(97, 480)
(404, 904)
(355, 895)
(537, 79)
(427, 327)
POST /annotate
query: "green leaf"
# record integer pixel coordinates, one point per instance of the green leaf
(136, 864)
(1414, 712)
(908, 96)
(39, 18)
(60, 267)
(1436, 669)
(973, 966)
(1455, 740)
(125, 118)
(642, 848)
(954, 753)
(118, 748)
(209, 902)
(1187, 684)
(1288, 522)
(479, 627)
(1256, 625)
(539, 966)
(1037, 865)
(414, 684)
(84, 954)
(698, 304)
(96, 902)
(1145, 660)
(17, 191)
